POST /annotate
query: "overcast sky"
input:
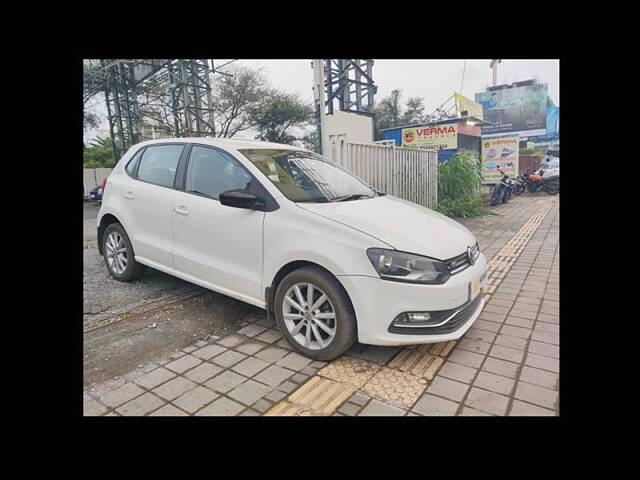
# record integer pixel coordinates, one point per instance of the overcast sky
(433, 80)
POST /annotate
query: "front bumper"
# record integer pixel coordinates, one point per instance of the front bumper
(377, 302)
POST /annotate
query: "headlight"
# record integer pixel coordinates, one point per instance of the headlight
(407, 267)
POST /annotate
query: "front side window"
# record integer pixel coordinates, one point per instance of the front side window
(159, 164)
(211, 172)
(307, 177)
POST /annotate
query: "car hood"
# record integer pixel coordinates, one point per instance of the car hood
(403, 225)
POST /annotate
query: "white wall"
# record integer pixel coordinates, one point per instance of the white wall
(349, 127)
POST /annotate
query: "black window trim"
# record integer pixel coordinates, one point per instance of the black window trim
(270, 203)
(139, 159)
(135, 158)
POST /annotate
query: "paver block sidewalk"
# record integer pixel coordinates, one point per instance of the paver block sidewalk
(506, 364)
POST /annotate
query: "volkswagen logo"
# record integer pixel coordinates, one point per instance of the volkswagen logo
(470, 255)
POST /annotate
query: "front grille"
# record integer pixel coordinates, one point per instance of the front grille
(460, 262)
(464, 313)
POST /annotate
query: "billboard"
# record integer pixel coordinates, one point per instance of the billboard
(437, 137)
(518, 109)
(500, 152)
(465, 104)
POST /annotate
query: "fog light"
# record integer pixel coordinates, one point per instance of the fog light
(418, 317)
(412, 319)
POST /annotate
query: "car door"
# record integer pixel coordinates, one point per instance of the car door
(148, 200)
(216, 244)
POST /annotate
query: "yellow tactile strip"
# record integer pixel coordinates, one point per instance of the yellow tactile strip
(349, 370)
(404, 379)
(502, 262)
(319, 396)
(417, 363)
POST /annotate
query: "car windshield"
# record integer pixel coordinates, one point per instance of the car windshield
(307, 177)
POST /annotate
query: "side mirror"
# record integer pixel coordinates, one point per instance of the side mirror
(240, 199)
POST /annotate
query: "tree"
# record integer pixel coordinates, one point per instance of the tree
(234, 98)
(388, 111)
(278, 112)
(312, 141)
(414, 111)
(99, 154)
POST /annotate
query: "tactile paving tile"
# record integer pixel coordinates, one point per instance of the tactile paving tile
(287, 409)
(395, 386)
(417, 363)
(319, 396)
(442, 349)
(351, 371)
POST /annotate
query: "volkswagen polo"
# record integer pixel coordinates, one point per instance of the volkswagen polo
(330, 258)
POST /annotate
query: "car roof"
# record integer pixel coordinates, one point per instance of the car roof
(234, 143)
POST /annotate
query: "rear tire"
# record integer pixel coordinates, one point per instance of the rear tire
(495, 198)
(118, 254)
(297, 332)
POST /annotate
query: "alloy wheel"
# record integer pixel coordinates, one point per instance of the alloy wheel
(309, 316)
(116, 252)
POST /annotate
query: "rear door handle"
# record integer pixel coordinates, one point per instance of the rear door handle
(129, 195)
(181, 210)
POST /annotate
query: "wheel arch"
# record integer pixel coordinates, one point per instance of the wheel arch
(270, 290)
(106, 220)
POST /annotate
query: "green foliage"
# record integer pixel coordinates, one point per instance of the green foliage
(312, 141)
(459, 182)
(390, 113)
(99, 154)
(276, 113)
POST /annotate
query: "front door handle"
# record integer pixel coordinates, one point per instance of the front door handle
(129, 195)
(181, 210)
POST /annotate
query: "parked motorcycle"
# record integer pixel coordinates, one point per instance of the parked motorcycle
(519, 185)
(502, 191)
(536, 182)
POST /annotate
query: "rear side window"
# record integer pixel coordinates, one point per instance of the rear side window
(131, 166)
(159, 164)
(211, 172)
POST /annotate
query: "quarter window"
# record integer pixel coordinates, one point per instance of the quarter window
(211, 172)
(131, 166)
(159, 163)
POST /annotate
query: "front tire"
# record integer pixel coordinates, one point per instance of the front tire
(314, 313)
(118, 254)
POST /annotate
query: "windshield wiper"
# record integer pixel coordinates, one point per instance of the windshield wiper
(356, 196)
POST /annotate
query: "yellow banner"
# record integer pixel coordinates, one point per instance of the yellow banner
(500, 152)
(437, 137)
(472, 108)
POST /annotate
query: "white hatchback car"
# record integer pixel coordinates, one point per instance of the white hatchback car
(293, 233)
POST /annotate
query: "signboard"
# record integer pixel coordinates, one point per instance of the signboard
(465, 104)
(518, 109)
(437, 137)
(500, 152)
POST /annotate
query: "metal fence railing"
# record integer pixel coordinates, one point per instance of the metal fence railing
(408, 173)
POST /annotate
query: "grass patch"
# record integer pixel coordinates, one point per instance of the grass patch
(459, 186)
